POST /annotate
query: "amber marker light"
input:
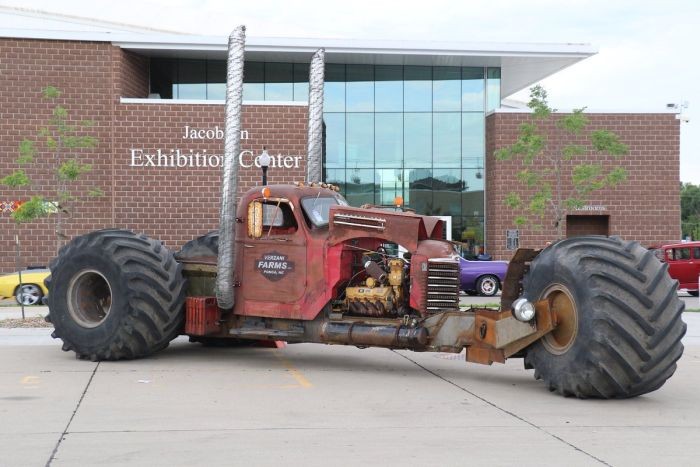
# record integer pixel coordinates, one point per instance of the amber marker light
(398, 201)
(266, 192)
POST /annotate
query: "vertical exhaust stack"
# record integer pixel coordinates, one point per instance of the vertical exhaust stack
(314, 160)
(229, 189)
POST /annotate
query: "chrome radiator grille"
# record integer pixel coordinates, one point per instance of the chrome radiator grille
(443, 286)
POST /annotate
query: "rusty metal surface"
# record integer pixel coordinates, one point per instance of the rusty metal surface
(299, 292)
(517, 267)
(485, 356)
(375, 335)
(545, 321)
(497, 330)
(404, 228)
(449, 332)
(420, 268)
(201, 316)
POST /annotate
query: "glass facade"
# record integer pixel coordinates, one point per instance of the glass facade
(389, 130)
(411, 131)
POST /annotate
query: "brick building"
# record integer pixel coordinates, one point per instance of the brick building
(416, 120)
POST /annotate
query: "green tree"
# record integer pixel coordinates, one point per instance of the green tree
(59, 143)
(690, 211)
(555, 180)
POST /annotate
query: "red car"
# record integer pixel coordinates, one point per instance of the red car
(683, 261)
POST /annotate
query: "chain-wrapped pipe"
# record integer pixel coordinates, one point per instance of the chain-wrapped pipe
(314, 162)
(229, 188)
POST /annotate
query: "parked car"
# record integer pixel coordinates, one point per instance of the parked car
(482, 276)
(32, 290)
(683, 261)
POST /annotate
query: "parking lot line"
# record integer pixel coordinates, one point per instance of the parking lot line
(293, 371)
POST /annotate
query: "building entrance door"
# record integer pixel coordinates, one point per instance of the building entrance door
(577, 226)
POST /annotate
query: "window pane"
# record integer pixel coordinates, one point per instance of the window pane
(301, 82)
(418, 89)
(447, 188)
(336, 177)
(494, 88)
(334, 126)
(473, 88)
(473, 192)
(388, 139)
(388, 88)
(334, 88)
(360, 187)
(191, 79)
(360, 140)
(278, 82)
(360, 88)
(473, 234)
(446, 139)
(254, 81)
(446, 88)
(472, 135)
(216, 79)
(390, 186)
(417, 139)
(419, 195)
(164, 77)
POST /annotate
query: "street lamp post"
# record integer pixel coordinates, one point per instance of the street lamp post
(264, 164)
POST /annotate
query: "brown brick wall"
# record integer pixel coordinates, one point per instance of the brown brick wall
(133, 74)
(645, 208)
(172, 204)
(83, 72)
(177, 204)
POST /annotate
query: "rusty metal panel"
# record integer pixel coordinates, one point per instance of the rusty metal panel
(201, 316)
(517, 267)
(404, 228)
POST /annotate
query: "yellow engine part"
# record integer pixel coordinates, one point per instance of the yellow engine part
(373, 294)
(396, 272)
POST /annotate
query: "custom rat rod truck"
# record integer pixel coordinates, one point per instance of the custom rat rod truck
(594, 316)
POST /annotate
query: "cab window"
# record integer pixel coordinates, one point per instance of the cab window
(317, 209)
(678, 254)
(696, 252)
(278, 218)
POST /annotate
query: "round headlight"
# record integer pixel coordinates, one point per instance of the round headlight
(523, 310)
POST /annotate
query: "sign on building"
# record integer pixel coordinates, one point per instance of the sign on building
(512, 239)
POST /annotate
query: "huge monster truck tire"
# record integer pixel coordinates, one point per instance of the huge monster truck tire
(206, 245)
(619, 318)
(115, 295)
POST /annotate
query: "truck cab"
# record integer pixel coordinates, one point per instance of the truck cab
(683, 261)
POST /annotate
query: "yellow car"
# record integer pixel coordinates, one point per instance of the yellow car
(32, 290)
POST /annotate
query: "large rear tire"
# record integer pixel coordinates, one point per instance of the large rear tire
(115, 295)
(206, 245)
(619, 318)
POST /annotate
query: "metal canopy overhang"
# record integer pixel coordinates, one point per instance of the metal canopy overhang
(521, 63)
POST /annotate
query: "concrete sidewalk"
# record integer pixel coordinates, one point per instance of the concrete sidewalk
(316, 405)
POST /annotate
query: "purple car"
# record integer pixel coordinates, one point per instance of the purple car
(482, 277)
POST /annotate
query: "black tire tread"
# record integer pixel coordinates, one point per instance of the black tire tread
(156, 294)
(206, 245)
(631, 309)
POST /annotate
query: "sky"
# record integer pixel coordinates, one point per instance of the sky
(647, 50)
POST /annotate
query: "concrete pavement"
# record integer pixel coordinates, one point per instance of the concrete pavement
(324, 405)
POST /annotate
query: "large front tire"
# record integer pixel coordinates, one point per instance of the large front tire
(619, 318)
(115, 295)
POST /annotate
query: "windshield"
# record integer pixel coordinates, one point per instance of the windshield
(317, 209)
